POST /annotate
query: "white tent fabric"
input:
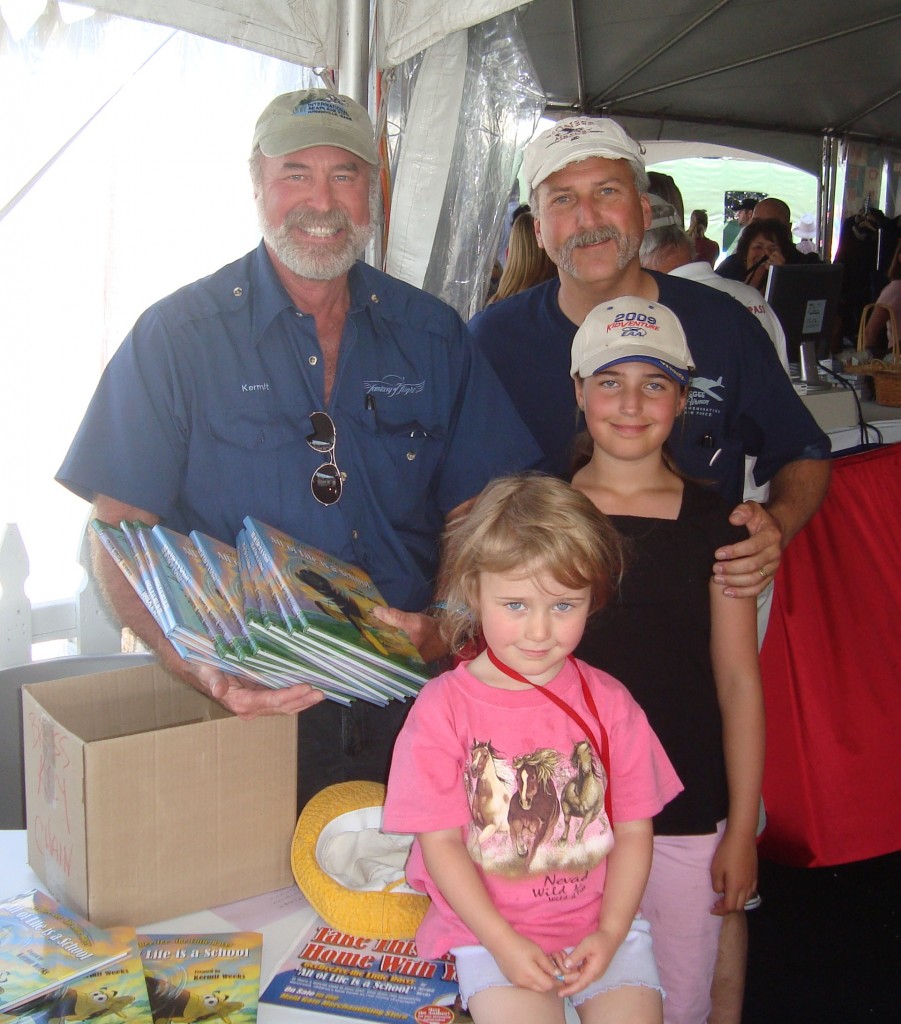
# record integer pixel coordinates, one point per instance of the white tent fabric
(760, 74)
(302, 31)
(409, 26)
(424, 164)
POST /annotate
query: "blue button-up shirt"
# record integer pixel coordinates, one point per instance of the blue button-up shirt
(202, 416)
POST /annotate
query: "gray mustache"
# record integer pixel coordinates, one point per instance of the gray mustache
(605, 234)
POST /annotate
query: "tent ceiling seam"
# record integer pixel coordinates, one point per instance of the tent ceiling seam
(577, 54)
(759, 58)
(754, 126)
(869, 110)
(661, 50)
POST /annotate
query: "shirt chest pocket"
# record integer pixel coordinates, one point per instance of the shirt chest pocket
(410, 449)
(402, 463)
(261, 457)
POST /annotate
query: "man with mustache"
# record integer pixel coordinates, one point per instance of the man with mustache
(588, 192)
(204, 415)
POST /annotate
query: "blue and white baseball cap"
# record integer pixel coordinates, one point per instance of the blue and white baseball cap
(630, 329)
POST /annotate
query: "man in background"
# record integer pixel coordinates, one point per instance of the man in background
(741, 217)
(767, 209)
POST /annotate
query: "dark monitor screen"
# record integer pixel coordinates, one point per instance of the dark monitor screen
(805, 298)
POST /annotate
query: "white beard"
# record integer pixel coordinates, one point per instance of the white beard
(315, 262)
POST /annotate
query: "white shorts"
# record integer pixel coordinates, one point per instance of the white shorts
(632, 964)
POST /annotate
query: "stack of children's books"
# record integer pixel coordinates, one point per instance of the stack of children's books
(270, 608)
(56, 967)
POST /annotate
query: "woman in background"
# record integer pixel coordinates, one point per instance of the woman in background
(763, 242)
(527, 263)
(705, 248)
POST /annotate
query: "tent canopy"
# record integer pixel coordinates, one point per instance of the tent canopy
(763, 75)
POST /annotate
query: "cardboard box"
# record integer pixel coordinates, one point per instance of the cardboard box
(145, 800)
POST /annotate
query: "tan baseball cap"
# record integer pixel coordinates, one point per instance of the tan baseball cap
(315, 117)
(574, 139)
(631, 329)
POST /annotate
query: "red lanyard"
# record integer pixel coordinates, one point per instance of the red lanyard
(602, 748)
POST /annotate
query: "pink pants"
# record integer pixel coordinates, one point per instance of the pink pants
(677, 904)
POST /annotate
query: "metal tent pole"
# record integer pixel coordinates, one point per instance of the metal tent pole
(353, 50)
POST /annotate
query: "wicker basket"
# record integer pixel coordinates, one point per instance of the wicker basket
(886, 373)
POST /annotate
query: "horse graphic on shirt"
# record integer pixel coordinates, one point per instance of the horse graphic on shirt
(491, 789)
(535, 806)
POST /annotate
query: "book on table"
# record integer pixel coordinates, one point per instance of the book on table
(203, 977)
(45, 947)
(331, 972)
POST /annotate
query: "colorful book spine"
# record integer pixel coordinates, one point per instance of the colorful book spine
(187, 565)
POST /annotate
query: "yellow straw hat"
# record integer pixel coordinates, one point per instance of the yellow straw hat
(351, 872)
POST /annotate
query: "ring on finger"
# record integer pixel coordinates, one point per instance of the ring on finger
(763, 573)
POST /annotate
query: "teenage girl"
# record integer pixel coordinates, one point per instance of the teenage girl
(687, 653)
(530, 778)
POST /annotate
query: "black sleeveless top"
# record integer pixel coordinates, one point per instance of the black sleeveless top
(654, 636)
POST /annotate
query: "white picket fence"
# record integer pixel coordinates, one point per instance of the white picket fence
(82, 620)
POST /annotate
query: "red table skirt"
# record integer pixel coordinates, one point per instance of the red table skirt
(831, 667)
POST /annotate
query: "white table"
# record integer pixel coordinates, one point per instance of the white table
(281, 922)
(280, 930)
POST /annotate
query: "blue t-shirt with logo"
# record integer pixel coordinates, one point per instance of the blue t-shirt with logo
(740, 401)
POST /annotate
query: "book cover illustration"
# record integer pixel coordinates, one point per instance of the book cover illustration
(113, 994)
(335, 600)
(44, 946)
(198, 978)
(266, 637)
(282, 639)
(129, 530)
(331, 972)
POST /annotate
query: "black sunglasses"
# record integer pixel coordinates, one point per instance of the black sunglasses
(326, 480)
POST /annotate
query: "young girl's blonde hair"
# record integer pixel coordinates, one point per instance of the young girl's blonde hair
(531, 524)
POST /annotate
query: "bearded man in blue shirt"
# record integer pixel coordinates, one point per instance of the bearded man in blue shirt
(205, 413)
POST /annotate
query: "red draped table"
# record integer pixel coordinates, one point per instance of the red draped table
(831, 667)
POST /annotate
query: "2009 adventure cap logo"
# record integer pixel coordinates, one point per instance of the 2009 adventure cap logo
(627, 329)
(632, 325)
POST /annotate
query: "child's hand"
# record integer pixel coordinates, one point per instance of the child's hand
(587, 962)
(526, 965)
(733, 873)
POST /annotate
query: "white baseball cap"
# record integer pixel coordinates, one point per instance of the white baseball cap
(574, 139)
(631, 329)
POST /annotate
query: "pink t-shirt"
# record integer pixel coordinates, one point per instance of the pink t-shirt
(514, 772)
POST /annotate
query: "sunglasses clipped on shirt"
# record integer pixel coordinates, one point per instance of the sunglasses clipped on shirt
(325, 483)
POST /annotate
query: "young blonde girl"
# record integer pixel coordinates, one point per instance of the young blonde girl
(529, 778)
(686, 652)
